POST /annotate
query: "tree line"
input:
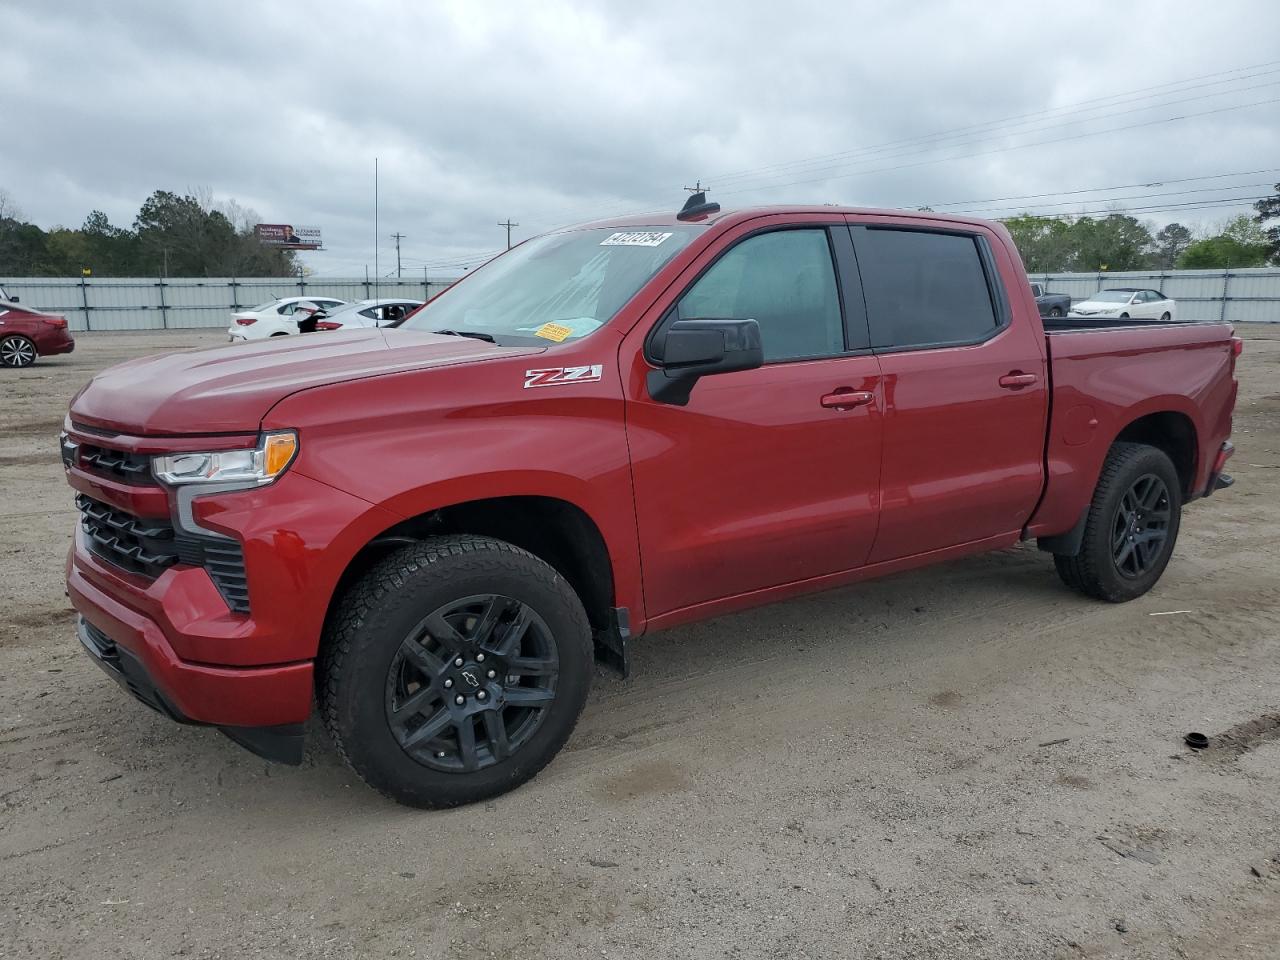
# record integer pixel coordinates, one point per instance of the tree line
(1121, 242)
(172, 235)
(190, 236)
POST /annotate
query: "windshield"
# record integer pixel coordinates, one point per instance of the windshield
(263, 306)
(1113, 296)
(558, 287)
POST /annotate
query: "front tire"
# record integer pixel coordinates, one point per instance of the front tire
(17, 351)
(1165, 317)
(1056, 312)
(454, 670)
(1131, 528)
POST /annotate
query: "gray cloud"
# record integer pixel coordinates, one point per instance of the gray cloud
(554, 112)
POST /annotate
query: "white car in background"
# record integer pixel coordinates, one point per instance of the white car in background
(274, 318)
(1127, 303)
(387, 312)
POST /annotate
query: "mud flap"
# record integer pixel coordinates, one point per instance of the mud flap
(611, 642)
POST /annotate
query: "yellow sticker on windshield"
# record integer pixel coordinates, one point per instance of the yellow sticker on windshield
(553, 331)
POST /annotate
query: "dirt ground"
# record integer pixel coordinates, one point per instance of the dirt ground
(968, 761)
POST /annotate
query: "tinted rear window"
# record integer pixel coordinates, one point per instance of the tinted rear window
(924, 288)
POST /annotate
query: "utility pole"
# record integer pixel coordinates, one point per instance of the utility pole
(397, 237)
(697, 187)
(508, 225)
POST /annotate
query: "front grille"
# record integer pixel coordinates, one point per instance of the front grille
(147, 547)
(120, 464)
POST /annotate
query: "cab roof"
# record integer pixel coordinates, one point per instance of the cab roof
(728, 218)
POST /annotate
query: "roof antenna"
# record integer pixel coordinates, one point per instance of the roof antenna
(697, 207)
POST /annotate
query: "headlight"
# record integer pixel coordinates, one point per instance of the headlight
(272, 456)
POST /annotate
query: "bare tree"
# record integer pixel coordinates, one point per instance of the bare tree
(8, 209)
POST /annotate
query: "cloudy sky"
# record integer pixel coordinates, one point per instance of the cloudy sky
(549, 112)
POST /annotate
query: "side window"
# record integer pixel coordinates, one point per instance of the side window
(373, 313)
(924, 288)
(286, 310)
(786, 282)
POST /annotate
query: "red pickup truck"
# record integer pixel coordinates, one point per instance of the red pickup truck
(611, 429)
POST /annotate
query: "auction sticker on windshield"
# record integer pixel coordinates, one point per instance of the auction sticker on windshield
(553, 331)
(634, 239)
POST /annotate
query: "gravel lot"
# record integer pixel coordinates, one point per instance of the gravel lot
(968, 761)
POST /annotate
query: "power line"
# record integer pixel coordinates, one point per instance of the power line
(1136, 196)
(1223, 203)
(1004, 149)
(1080, 106)
(920, 141)
(1121, 186)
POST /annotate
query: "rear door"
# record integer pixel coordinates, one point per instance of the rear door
(765, 478)
(965, 400)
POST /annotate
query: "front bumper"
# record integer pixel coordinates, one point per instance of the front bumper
(281, 742)
(190, 691)
(201, 657)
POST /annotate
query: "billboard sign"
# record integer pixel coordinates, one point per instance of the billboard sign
(288, 237)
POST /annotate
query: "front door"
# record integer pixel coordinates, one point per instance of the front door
(767, 476)
(964, 387)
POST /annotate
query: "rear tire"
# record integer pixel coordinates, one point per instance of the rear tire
(454, 618)
(1131, 528)
(17, 351)
(1124, 316)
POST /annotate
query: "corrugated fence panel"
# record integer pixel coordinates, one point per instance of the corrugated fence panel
(1237, 296)
(150, 303)
(143, 303)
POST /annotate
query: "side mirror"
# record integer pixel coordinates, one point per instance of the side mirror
(690, 349)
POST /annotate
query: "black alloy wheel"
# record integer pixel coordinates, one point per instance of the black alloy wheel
(1130, 528)
(472, 683)
(1140, 528)
(454, 669)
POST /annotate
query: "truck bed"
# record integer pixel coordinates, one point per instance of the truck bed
(1071, 324)
(1121, 371)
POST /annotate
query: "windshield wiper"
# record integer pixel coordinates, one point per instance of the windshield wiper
(473, 334)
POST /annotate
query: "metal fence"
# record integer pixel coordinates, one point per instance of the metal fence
(1237, 296)
(141, 303)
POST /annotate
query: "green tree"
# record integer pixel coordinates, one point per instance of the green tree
(1113, 242)
(112, 251)
(1170, 242)
(1044, 242)
(1269, 210)
(1221, 252)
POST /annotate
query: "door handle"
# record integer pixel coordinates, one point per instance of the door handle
(847, 399)
(1016, 380)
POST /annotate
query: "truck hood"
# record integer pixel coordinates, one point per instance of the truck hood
(229, 389)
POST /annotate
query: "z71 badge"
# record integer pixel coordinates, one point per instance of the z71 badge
(555, 376)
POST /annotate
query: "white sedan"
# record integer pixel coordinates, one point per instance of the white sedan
(1127, 303)
(274, 318)
(387, 312)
